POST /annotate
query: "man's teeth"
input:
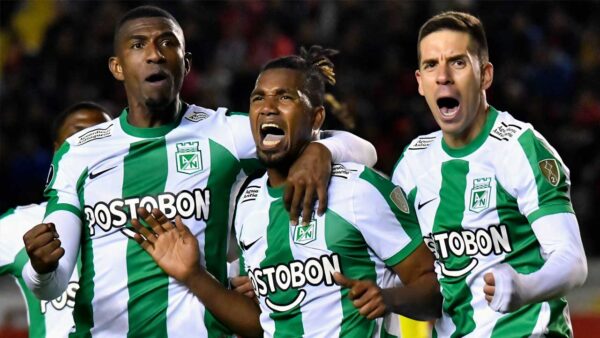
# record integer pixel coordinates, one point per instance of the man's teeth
(272, 140)
(448, 111)
(267, 125)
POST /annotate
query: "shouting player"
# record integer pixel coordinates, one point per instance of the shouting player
(492, 197)
(368, 230)
(161, 153)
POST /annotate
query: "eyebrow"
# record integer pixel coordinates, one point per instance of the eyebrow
(278, 91)
(449, 59)
(145, 37)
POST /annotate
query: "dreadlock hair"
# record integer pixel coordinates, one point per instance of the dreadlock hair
(460, 22)
(146, 11)
(316, 66)
(62, 117)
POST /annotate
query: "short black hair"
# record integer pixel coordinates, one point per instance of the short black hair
(316, 66)
(62, 117)
(145, 11)
(461, 22)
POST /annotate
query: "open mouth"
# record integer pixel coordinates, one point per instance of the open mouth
(448, 106)
(156, 77)
(272, 134)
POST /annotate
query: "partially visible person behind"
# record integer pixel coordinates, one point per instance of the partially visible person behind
(46, 318)
(492, 197)
(332, 277)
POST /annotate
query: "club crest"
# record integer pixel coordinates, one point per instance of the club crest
(189, 157)
(480, 194)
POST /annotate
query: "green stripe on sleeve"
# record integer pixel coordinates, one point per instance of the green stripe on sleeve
(552, 189)
(408, 221)
(37, 324)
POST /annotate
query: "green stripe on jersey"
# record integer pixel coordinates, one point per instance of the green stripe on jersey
(8, 213)
(83, 309)
(409, 221)
(519, 323)
(52, 195)
(288, 323)
(225, 168)
(457, 294)
(552, 199)
(343, 238)
(558, 325)
(37, 324)
(145, 173)
(525, 256)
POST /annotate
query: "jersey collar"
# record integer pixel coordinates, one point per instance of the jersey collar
(151, 132)
(478, 141)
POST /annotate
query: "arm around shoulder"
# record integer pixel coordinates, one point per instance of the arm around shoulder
(347, 147)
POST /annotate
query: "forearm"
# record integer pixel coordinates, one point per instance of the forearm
(420, 300)
(347, 147)
(236, 311)
(48, 286)
(566, 265)
(564, 269)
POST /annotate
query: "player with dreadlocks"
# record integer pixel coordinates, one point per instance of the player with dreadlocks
(368, 226)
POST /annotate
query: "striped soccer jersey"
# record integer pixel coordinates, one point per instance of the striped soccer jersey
(105, 173)
(475, 206)
(46, 318)
(368, 227)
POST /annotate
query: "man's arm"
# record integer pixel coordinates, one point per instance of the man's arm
(347, 147)
(565, 267)
(52, 247)
(176, 251)
(419, 297)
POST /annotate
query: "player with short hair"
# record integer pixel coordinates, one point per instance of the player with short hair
(492, 197)
(46, 318)
(367, 231)
(160, 153)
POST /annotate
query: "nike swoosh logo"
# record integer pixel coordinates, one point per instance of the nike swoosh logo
(94, 175)
(424, 204)
(245, 247)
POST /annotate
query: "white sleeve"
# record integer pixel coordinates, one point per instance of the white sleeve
(347, 147)
(242, 135)
(564, 269)
(51, 285)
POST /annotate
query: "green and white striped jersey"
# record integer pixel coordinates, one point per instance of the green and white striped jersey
(186, 168)
(368, 227)
(46, 318)
(475, 206)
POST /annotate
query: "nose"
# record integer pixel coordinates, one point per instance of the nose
(443, 76)
(154, 54)
(269, 106)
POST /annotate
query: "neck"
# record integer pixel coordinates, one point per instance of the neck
(277, 176)
(142, 116)
(467, 135)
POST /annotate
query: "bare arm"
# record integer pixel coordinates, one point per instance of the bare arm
(176, 251)
(419, 298)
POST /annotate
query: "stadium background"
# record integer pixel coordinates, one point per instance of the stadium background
(547, 72)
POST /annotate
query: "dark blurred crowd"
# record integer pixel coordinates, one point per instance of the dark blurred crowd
(546, 57)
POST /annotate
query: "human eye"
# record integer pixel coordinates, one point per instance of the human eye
(256, 98)
(460, 63)
(428, 65)
(137, 45)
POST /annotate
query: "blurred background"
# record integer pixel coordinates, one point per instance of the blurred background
(547, 72)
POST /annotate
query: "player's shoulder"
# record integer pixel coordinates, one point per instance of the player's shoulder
(86, 137)
(349, 179)
(197, 114)
(420, 148)
(507, 129)
(18, 220)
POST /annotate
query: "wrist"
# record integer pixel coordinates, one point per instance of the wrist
(322, 150)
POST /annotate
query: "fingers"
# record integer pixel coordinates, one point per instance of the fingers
(242, 284)
(148, 237)
(296, 202)
(489, 289)
(341, 280)
(162, 219)
(151, 220)
(307, 206)
(323, 198)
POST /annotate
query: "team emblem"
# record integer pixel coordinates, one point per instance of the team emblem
(550, 171)
(304, 234)
(480, 194)
(189, 157)
(397, 196)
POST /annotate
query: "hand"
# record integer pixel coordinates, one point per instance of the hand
(172, 246)
(243, 285)
(365, 294)
(309, 174)
(43, 247)
(502, 289)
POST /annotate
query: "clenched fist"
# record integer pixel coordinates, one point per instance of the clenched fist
(43, 247)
